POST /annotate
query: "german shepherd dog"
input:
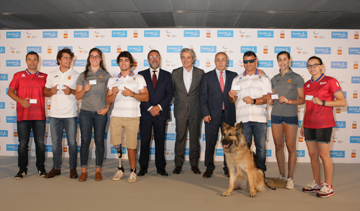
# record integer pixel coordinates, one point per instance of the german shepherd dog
(240, 160)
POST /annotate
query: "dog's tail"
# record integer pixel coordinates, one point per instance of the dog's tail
(260, 185)
(274, 183)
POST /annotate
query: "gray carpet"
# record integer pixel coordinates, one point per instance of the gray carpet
(185, 191)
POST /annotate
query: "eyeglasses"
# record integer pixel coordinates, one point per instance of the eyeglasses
(154, 57)
(95, 57)
(312, 66)
(251, 61)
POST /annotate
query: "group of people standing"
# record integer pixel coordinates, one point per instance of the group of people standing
(141, 102)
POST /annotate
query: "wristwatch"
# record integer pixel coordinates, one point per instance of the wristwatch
(254, 101)
(323, 102)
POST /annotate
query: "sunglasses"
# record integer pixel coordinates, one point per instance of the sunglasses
(251, 61)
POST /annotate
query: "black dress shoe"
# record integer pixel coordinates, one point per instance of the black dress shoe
(196, 170)
(207, 173)
(162, 172)
(177, 170)
(227, 173)
(142, 171)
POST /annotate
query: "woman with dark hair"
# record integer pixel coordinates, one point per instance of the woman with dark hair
(322, 93)
(288, 92)
(91, 88)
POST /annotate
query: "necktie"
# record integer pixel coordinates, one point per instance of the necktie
(154, 79)
(222, 86)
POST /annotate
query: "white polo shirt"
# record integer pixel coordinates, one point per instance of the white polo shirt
(254, 86)
(127, 106)
(62, 106)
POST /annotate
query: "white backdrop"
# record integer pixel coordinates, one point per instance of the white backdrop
(339, 49)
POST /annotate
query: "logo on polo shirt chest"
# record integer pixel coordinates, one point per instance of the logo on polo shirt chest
(134, 78)
(322, 83)
(289, 80)
(69, 78)
(23, 75)
(100, 76)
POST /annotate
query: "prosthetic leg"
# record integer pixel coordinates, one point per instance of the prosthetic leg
(118, 149)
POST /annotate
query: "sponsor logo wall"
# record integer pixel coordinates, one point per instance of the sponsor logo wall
(339, 50)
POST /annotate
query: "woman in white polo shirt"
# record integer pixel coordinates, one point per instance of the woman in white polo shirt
(91, 88)
(288, 92)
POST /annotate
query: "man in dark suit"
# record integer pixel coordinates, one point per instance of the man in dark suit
(186, 82)
(155, 113)
(216, 108)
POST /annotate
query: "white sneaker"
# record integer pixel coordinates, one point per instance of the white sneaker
(281, 177)
(314, 187)
(289, 183)
(132, 177)
(325, 191)
(118, 175)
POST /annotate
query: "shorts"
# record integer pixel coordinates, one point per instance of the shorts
(322, 135)
(131, 126)
(290, 120)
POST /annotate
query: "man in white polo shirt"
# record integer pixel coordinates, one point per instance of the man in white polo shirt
(60, 86)
(250, 91)
(126, 91)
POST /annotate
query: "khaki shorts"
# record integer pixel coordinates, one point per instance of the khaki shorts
(131, 126)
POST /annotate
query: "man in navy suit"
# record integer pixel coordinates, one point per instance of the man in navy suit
(155, 113)
(216, 108)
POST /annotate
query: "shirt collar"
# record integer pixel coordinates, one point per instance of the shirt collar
(218, 71)
(322, 76)
(157, 69)
(130, 75)
(257, 72)
(187, 71)
(29, 73)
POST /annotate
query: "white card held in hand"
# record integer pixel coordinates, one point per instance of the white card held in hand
(63, 87)
(274, 96)
(236, 88)
(92, 82)
(308, 97)
(33, 101)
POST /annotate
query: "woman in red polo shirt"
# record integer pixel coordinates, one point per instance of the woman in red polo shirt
(322, 93)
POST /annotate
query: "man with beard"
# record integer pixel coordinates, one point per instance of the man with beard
(155, 113)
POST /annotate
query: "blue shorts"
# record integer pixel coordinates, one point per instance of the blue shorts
(290, 120)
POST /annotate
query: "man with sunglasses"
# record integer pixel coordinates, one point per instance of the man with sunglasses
(250, 92)
(216, 108)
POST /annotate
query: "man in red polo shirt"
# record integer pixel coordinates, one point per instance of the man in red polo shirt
(26, 88)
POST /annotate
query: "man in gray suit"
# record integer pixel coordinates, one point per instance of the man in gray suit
(186, 82)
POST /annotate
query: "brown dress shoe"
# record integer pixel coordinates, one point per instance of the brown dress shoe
(73, 174)
(83, 177)
(177, 170)
(207, 173)
(98, 176)
(196, 170)
(54, 172)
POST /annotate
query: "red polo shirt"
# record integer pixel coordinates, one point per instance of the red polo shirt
(318, 116)
(30, 86)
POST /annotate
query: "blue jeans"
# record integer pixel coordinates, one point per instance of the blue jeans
(88, 120)
(57, 125)
(258, 129)
(24, 128)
